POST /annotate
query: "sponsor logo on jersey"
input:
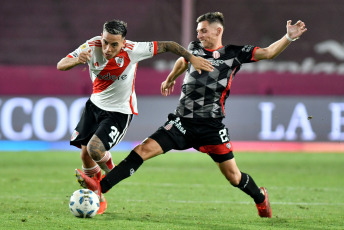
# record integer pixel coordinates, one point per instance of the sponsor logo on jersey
(177, 124)
(228, 145)
(151, 47)
(119, 61)
(108, 77)
(83, 46)
(96, 64)
(217, 62)
(247, 48)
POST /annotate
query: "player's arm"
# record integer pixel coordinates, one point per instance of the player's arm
(68, 63)
(173, 47)
(179, 68)
(293, 33)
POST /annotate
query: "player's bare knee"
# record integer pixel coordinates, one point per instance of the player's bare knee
(94, 152)
(148, 149)
(96, 148)
(234, 178)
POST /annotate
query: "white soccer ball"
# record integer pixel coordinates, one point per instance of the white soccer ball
(84, 203)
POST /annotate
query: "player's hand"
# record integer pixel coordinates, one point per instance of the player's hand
(167, 87)
(84, 56)
(296, 30)
(200, 64)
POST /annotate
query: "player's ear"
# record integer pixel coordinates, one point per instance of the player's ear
(218, 31)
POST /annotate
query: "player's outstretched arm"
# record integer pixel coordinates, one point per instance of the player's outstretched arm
(68, 63)
(197, 62)
(179, 68)
(294, 32)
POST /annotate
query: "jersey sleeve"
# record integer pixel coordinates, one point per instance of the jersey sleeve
(141, 50)
(89, 44)
(77, 52)
(245, 53)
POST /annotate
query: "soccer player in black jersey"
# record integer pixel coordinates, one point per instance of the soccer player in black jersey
(197, 121)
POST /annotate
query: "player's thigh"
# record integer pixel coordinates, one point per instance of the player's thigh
(215, 142)
(171, 135)
(112, 129)
(86, 126)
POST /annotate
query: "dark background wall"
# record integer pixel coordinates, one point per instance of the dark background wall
(35, 35)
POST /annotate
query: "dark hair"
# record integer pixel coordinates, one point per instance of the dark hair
(116, 27)
(212, 17)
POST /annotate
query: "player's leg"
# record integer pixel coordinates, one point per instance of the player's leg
(164, 139)
(147, 149)
(98, 153)
(126, 168)
(111, 130)
(92, 169)
(246, 183)
(89, 166)
(219, 148)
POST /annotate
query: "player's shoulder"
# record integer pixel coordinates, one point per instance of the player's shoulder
(195, 45)
(95, 41)
(129, 45)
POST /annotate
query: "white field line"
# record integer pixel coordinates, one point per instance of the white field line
(237, 202)
(224, 185)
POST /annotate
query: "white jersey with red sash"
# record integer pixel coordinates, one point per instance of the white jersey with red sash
(114, 80)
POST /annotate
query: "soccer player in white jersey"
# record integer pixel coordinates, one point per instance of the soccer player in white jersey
(112, 62)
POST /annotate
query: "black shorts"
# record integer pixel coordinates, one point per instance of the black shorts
(110, 127)
(206, 135)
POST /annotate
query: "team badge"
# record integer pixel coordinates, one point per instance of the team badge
(83, 46)
(216, 54)
(228, 145)
(168, 126)
(74, 135)
(119, 61)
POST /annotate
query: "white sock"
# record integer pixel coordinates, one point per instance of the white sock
(94, 171)
(106, 162)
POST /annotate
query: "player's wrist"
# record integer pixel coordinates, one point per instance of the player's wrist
(291, 39)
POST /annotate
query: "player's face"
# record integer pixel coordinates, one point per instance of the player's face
(207, 34)
(111, 44)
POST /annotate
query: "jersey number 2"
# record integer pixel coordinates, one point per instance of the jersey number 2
(224, 135)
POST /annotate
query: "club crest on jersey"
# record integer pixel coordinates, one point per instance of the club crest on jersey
(119, 61)
(74, 135)
(216, 54)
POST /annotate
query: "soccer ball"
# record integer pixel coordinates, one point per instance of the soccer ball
(84, 203)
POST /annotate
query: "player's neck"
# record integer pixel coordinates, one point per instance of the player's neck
(214, 47)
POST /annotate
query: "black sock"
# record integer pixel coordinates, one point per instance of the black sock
(248, 186)
(125, 169)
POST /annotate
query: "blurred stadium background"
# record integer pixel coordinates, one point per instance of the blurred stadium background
(271, 102)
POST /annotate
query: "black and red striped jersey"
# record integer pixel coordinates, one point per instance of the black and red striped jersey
(204, 95)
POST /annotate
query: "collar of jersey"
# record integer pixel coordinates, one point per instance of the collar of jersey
(214, 49)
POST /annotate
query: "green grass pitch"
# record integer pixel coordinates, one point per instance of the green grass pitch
(176, 191)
